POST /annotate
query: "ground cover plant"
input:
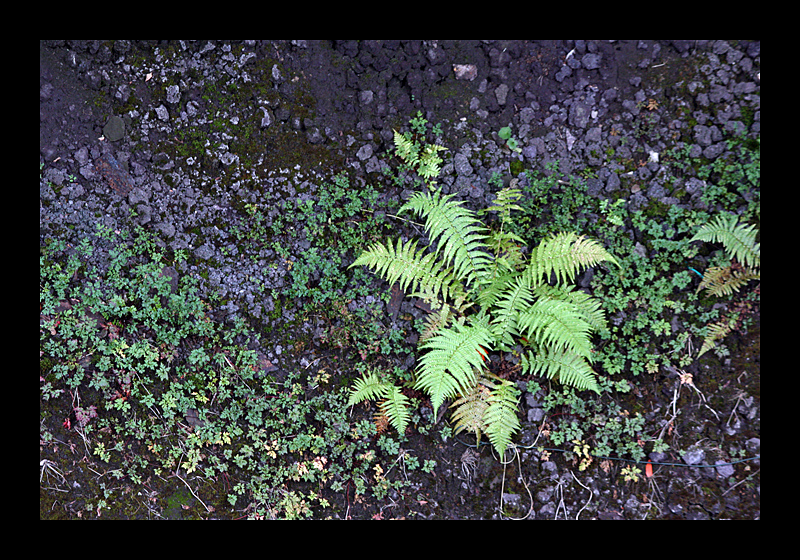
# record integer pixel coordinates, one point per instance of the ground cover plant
(176, 394)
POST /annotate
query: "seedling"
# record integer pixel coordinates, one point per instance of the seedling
(511, 142)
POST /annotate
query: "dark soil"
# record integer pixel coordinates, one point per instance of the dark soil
(179, 136)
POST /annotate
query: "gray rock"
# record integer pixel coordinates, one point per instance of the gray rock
(579, 114)
(591, 61)
(365, 97)
(364, 152)
(461, 164)
(724, 469)
(465, 71)
(204, 252)
(501, 93)
(162, 113)
(114, 129)
(594, 134)
(173, 95)
(694, 457)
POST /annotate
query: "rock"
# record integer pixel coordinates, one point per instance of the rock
(694, 457)
(114, 129)
(461, 165)
(465, 71)
(365, 97)
(364, 152)
(162, 113)
(173, 95)
(579, 114)
(501, 92)
(591, 61)
(724, 469)
(204, 252)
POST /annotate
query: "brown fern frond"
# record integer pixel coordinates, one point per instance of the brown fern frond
(470, 410)
(381, 422)
(724, 280)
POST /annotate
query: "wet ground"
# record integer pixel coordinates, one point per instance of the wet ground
(187, 138)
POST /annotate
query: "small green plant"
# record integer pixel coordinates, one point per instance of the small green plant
(505, 134)
(484, 298)
(424, 159)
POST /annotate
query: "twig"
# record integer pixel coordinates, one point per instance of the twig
(193, 494)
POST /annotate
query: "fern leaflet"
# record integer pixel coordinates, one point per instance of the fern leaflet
(451, 358)
(407, 266)
(558, 325)
(564, 254)
(395, 407)
(457, 233)
(716, 332)
(567, 367)
(394, 404)
(723, 281)
(500, 418)
(470, 410)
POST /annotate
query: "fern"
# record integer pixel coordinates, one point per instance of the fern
(563, 255)
(716, 332)
(486, 297)
(567, 367)
(394, 404)
(425, 160)
(455, 230)
(724, 280)
(500, 418)
(448, 367)
(739, 242)
(407, 266)
(470, 410)
(738, 239)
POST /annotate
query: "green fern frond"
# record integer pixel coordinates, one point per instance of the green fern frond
(505, 201)
(427, 163)
(588, 307)
(556, 324)
(500, 418)
(394, 404)
(458, 235)
(723, 281)
(451, 357)
(405, 149)
(568, 368)
(516, 298)
(368, 387)
(564, 254)
(738, 239)
(436, 320)
(395, 408)
(408, 266)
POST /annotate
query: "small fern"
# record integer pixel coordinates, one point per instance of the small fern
(425, 160)
(500, 418)
(738, 239)
(394, 404)
(716, 332)
(739, 242)
(486, 297)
